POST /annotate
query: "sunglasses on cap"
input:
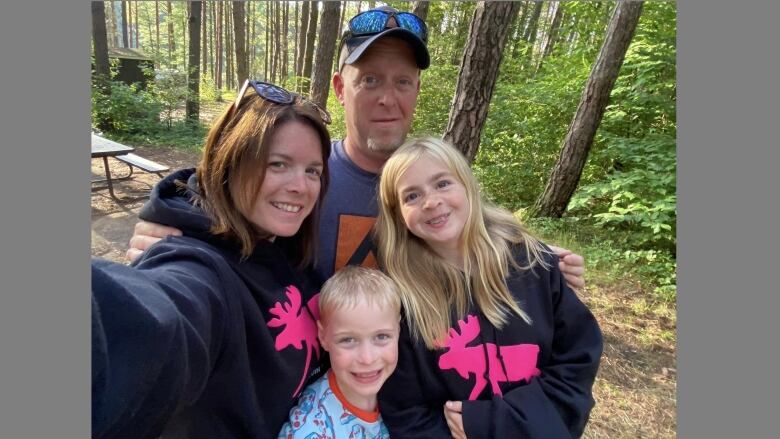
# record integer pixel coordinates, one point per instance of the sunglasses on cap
(375, 20)
(278, 95)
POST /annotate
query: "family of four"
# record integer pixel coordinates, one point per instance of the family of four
(296, 287)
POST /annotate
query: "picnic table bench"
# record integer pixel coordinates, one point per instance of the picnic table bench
(105, 148)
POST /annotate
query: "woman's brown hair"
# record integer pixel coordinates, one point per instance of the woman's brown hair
(236, 148)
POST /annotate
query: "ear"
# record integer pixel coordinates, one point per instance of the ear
(338, 87)
(321, 337)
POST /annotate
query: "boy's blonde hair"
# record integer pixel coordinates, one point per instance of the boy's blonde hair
(432, 288)
(353, 285)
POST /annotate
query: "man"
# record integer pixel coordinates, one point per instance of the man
(382, 54)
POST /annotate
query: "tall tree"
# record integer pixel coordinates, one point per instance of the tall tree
(566, 174)
(242, 70)
(531, 30)
(125, 42)
(100, 43)
(420, 9)
(204, 37)
(478, 72)
(157, 24)
(310, 36)
(329, 29)
(302, 31)
(218, 50)
(193, 66)
(556, 11)
(171, 39)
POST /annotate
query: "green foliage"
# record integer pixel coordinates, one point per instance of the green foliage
(127, 110)
(607, 257)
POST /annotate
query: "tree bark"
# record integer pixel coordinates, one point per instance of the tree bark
(100, 41)
(242, 71)
(218, 50)
(204, 36)
(329, 28)
(552, 33)
(478, 72)
(193, 67)
(311, 34)
(566, 174)
(125, 42)
(171, 41)
(421, 9)
(302, 33)
(157, 24)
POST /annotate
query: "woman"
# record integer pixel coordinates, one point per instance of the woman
(212, 334)
(496, 344)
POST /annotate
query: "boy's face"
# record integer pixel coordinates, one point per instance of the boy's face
(363, 347)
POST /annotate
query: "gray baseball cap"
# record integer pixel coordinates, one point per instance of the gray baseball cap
(360, 34)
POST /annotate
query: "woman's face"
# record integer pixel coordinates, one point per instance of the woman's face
(291, 185)
(434, 205)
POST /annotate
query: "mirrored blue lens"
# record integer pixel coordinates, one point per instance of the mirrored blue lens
(273, 93)
(371, 22)
(368, 22)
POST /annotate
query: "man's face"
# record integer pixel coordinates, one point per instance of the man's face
(379, 94)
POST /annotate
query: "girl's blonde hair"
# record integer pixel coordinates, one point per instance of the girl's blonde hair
(432, 288)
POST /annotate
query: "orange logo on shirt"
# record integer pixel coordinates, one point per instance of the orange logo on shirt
(354, 245)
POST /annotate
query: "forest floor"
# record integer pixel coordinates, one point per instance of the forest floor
(636, 386)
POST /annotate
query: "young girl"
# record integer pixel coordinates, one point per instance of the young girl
(212, 334)
(496, 344)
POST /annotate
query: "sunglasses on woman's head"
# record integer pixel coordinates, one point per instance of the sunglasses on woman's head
(278, 95)
(374, 21)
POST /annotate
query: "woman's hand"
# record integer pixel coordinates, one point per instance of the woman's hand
(454, 416)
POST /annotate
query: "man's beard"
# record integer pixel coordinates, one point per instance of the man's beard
(387, 147)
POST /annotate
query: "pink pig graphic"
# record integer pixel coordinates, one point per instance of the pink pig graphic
(520, 360)
(299, 327)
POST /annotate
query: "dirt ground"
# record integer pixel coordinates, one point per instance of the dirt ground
(635, 390)
(112, 221)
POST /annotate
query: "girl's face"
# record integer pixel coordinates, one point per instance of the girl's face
(291, 184)
(434, 206)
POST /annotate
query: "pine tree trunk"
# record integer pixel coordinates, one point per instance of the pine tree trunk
(157, 24)
(302, 32)
(100, 42)
(311, 34)
(171, 41)
(125, 42)
(228, 38)
(193, 65)
(242, 72)
(530, 33)
(421, 9)
(552, 34)
(478, 72)
(204, 36)
(329, 28)
(566, 174)
(218, 50)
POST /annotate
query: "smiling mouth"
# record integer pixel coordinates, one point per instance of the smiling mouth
(438, 220)
(290, 208)
(367, 376)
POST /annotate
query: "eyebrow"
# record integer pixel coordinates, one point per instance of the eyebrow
(434, 177)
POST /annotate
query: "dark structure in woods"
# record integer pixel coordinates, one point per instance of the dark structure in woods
(131, 65)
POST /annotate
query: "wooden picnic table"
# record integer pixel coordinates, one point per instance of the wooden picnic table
(104, 148)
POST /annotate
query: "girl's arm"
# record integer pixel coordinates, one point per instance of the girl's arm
(557, 403)
(156, 332)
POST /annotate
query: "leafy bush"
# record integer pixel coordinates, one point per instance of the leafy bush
(128, 109)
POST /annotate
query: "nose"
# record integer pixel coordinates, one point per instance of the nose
(431, 201)
(296, 181)
(387, 97)
(366, 353)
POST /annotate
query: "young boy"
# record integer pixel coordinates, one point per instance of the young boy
(360, 312)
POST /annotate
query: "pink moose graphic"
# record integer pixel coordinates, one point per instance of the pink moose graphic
(299, 327)
(520, 360)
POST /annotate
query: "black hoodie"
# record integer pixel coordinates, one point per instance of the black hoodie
(529, 381)
(193, 342)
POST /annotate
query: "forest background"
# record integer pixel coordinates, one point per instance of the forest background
(550, 61)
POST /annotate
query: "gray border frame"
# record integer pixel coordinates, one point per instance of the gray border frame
(727, 150)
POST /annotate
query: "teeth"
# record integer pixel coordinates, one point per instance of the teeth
(287, 207)
(438, 219)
